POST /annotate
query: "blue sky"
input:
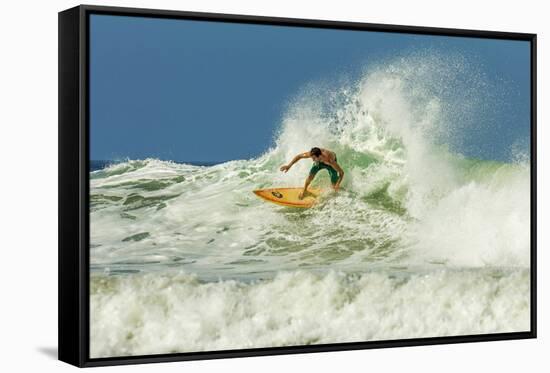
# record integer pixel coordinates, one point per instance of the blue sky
(209, 91)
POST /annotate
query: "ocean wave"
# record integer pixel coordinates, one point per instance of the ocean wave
(407, 198)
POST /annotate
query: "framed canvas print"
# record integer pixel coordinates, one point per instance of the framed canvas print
(234, 186)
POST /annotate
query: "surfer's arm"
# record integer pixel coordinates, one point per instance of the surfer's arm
(294, 160)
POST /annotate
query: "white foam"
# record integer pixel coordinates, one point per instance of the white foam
(167, 313)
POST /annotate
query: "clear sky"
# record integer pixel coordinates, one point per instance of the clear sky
(208, 91)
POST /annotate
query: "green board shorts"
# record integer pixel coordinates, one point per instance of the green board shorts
(332, 172)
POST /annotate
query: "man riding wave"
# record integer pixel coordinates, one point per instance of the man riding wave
(323, 159)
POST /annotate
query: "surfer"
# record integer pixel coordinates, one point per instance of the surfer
(323, 159)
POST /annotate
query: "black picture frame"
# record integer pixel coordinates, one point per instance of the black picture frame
(73, 249)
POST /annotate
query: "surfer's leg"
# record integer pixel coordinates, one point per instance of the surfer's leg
(308, 181)
(310, 177)
(333, 175)
(314, 169)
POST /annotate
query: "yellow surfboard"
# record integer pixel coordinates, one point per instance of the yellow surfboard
(289, 196)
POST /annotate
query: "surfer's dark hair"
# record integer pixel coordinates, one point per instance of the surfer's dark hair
(315, 151)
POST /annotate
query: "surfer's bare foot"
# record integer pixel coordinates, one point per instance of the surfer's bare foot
(301, 195)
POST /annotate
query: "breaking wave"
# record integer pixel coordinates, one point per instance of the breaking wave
(414, 217)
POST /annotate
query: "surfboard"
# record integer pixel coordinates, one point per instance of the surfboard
(289, 196)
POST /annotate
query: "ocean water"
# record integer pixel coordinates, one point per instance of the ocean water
(421, 241)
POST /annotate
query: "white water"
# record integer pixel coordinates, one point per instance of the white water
(163, 313)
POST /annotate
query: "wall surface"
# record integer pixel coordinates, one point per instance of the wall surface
(28, 186)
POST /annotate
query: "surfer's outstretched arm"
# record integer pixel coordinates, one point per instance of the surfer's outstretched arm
(285, 168)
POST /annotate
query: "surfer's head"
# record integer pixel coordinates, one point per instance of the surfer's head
(315, 153)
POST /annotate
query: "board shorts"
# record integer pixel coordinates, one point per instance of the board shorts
(331, 171)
